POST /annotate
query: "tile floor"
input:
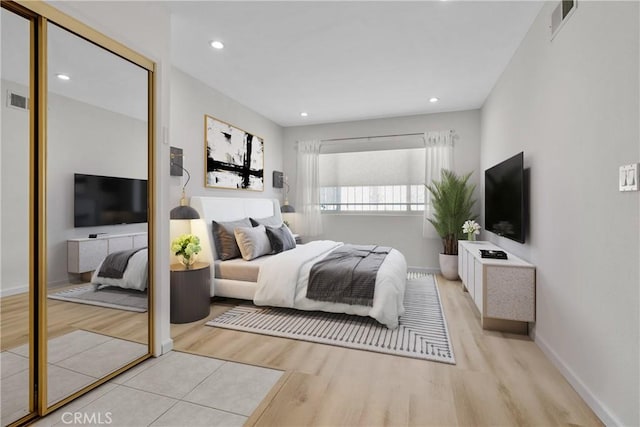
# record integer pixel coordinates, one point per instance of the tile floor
(76, 359)
(176, 389)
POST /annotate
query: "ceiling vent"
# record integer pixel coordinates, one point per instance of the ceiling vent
(561, 14)
(17, 101)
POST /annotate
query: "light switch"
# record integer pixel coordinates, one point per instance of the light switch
(629, 177)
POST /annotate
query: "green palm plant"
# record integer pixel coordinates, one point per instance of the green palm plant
(452, 199)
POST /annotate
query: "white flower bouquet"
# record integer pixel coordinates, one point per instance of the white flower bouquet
(471, 229)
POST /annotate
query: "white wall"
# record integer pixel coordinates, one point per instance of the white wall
(83, 138)
(572, 105)
(403, 232)
(117, 149)
(146, 28)
(14, 157)
(190, 101)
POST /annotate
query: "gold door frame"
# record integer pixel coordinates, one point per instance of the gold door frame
(39, 14)
(33, 363)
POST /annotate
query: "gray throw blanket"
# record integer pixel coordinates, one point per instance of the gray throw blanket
(115, 264)
(347, 275)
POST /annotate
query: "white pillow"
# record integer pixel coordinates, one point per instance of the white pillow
(253, 242)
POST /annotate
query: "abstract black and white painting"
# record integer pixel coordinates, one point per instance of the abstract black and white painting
(235, 158)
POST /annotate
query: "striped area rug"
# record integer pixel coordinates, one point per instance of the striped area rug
(422, 333)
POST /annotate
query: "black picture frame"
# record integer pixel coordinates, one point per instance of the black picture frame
(175, 158)
(278, 179)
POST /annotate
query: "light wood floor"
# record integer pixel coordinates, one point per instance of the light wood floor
(499, 379)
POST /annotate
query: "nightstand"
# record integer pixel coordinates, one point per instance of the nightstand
(190, 292)
(297, 238)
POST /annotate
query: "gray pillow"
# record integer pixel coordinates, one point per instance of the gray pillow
(252, 241)
(225, 240)
(271, 221)
(280, 238)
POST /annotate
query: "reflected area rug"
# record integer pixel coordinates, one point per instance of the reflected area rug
(422, 333)
(110, 297)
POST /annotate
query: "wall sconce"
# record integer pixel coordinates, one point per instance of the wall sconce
(184, 211)
(286, 207)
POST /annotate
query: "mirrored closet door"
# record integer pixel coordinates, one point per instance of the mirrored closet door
(76, 164)
(97, 194)
(15, 192)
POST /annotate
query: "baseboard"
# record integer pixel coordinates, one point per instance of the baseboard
(14, 291)
(59, 283)
(166, 347)
(23, 289)
(424, 269)
(598, 407)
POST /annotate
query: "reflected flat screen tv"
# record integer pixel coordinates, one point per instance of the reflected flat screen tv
(107, 200)
(504, 209)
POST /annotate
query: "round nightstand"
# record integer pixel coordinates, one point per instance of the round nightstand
(190, 292)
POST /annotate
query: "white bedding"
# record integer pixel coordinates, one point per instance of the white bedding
(134, 277)
(284, 277)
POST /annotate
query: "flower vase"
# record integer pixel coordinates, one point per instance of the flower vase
(471, 237)
(187, 261)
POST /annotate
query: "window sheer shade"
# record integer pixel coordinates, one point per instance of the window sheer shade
(372, 181)
(372, 168)
(439, 156)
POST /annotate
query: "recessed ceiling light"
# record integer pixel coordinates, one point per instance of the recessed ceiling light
(63, 77)
(304, 114)
(216, 44)
(434, 99)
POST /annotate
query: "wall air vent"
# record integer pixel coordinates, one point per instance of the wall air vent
(17, 101)
(561, 14)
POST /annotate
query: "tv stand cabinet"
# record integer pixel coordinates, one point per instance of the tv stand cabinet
(85, 254)
(504, 291)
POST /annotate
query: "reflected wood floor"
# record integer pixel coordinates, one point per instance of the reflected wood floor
(64, 317)
(499, 378)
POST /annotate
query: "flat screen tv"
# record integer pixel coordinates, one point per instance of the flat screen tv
(108, 200)
(504, 211)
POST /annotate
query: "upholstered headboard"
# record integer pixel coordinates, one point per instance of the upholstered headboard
(226, 209)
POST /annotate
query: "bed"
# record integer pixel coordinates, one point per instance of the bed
(132, 273)
(281, 280)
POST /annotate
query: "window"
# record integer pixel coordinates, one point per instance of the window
(385, 180)
(372, 198)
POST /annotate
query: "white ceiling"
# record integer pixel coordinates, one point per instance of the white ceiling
(338, 61)
(98, 77)
(343, 61)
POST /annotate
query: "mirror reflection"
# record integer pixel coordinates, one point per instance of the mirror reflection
(14, 227)
(97, 242)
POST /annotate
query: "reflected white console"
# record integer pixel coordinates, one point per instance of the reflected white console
(84, 255)
(504, 291)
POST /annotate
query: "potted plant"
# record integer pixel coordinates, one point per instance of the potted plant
(452, 199)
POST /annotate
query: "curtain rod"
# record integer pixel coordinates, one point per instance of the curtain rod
(377, 136)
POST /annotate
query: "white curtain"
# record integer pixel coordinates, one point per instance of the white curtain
(308, 189)
(439, 156)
